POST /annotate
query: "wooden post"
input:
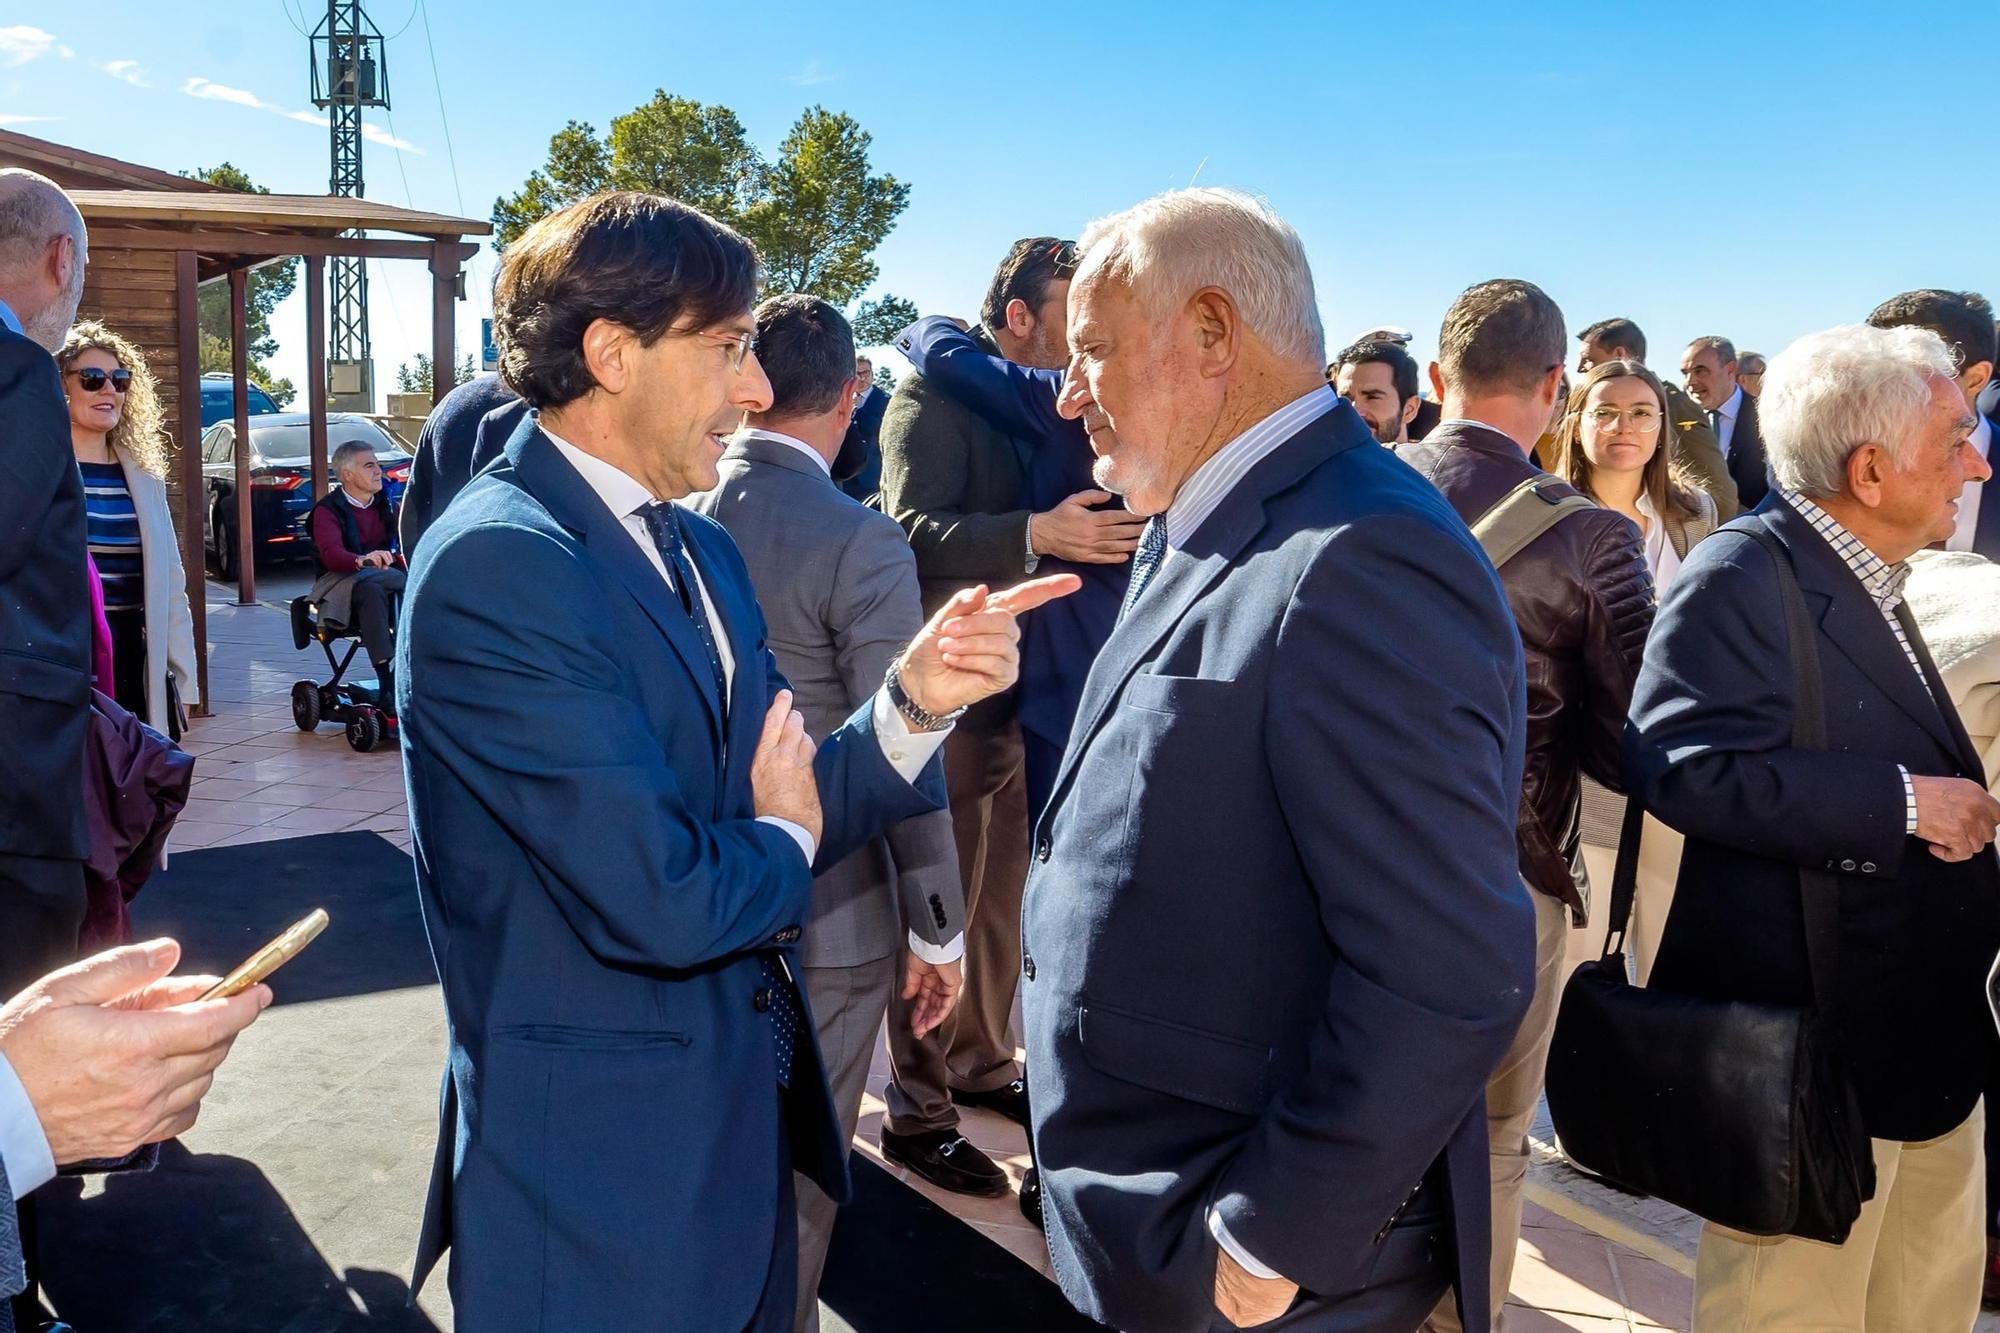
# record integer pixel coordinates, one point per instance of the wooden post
(444, 298)
(316, 370)
(239, 365)
(194, 489)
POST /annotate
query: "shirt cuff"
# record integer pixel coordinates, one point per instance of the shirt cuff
(796, 832)
(30, 1162)
(950, 951)
(1909, 803)
(1236, 1251)
(907, 751)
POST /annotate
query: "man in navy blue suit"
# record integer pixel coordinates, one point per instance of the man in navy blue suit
(1059, 643)
(1868, 432)
(1275, 936)
(616, 812)
(456, 442)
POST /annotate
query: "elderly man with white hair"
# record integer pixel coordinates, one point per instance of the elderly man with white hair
(1275, 940)
(1868, 442)
(45, 616)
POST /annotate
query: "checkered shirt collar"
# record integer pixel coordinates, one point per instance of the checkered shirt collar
(1882, 581)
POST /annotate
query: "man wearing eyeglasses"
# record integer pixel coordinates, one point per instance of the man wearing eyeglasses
(1583, 601)
(616, 811)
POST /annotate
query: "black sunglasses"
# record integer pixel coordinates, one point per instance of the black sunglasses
(91, 379)
(1064, 256)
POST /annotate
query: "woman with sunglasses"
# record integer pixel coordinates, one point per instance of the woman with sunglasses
(121, 448)
(1609, 445)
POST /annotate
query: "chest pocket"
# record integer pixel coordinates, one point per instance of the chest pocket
(1189, 696)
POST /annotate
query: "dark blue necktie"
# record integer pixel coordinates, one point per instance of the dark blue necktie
(1146, 560)
(663, 521)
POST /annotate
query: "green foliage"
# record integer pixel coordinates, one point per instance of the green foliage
(876, 323)
(267, 286)
(884, 380)
(815, 213)
(215, 359)
(415, 377)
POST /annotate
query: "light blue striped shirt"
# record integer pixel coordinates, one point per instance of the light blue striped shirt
(9, 319)
(1203, 492)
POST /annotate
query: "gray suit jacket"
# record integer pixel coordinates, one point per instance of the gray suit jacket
(13, 1271)
(839, 591)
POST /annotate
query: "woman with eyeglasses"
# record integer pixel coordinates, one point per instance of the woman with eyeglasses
(1610, 445)
(121, 448)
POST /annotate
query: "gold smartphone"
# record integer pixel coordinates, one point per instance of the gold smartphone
(271, 957)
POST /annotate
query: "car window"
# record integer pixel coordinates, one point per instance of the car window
(291, 445)
(218, 448)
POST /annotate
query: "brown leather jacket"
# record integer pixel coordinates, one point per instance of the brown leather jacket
(1583, 599)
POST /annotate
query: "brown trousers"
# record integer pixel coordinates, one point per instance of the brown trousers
(973, 1049)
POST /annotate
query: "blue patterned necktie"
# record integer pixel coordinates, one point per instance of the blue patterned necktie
(663, 521)
(1146, 561)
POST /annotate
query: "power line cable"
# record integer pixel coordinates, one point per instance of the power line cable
(450, 152)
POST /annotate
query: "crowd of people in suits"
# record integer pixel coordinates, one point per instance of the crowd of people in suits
(1257, 726)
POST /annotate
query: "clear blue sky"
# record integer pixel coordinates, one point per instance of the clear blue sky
(1753, 170)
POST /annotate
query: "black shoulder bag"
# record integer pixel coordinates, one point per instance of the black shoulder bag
(1742, 1114)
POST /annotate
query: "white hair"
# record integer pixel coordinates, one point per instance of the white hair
(33, 211)
(1173, 245)
(1831, 392)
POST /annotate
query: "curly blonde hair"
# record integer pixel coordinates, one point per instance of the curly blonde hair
(141, 429)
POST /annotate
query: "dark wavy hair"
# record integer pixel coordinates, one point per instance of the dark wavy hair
(642, 261)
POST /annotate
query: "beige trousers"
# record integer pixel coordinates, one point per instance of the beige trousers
(1912, 1265)
(1512, 1095)
(1659, 871)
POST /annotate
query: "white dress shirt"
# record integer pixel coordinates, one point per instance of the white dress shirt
(1198, 498)
(1661, 557)
(1969, 498)
(952, 949)
(790, 442)
(1725, 420)
(626, 498)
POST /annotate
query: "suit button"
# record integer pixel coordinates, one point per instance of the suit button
(1028, 966)
(761, 1001)
(1847, 865)
(1867, 867)
(1042, 848)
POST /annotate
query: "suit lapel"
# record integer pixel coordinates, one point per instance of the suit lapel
(737, 623)
(1967, 755)
(1189, 573)
(571, 502)
(1855, 627)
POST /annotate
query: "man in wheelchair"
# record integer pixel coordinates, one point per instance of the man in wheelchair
(361, 574)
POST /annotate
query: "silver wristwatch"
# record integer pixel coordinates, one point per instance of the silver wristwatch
(919, 718)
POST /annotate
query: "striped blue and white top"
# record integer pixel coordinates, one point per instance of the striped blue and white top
(112, 526)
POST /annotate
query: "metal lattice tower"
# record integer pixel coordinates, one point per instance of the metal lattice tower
(349, 71)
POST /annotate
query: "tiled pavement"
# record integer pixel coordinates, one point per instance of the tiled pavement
(259, 778)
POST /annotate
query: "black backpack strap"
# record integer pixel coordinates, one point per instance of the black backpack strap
(1624, 878)
(1819, 892)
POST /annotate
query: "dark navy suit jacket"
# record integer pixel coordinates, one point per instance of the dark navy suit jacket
(44, 613)
(1986, 535)
(857, 468)
(1275, 937)
(457, 441)
(1709, 750)
(1058, 641)
(597, 894)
